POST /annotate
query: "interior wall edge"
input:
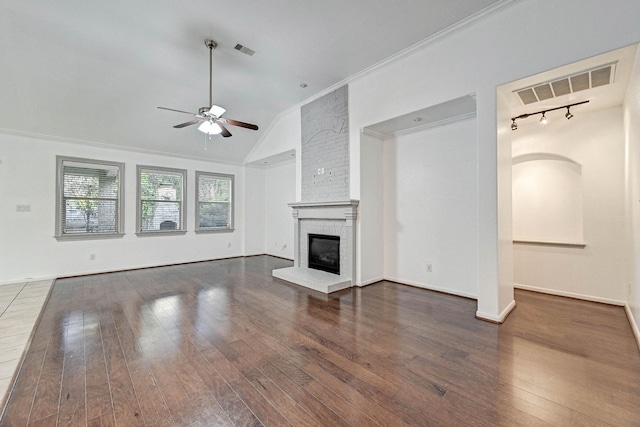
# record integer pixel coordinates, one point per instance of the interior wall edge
(633, 324)
(488, 317)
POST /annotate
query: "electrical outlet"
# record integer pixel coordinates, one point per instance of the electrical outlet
(429, 268)
(92, 257)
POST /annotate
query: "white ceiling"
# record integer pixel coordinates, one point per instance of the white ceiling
(96, 71)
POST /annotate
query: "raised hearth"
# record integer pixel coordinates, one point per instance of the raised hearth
(329, 219)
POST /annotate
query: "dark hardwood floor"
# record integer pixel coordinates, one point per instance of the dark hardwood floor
(223, 343)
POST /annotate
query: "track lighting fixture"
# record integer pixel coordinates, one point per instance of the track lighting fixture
(543, 119)
(568, 115)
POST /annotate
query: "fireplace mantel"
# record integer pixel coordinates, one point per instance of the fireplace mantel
(325, 210)
(335, 217)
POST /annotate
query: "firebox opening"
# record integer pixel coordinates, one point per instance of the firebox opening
(324, 253)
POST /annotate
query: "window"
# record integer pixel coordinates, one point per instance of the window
(215, 202)
(161, 200)
(88, 198)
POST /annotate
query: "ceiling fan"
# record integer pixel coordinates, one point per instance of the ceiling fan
(212, 122)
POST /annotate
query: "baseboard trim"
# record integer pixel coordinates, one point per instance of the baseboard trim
(497, 319)
(133, 268)
(570, 295)
(370, 282)
(431, 288)
(634, 325)
(275, 256)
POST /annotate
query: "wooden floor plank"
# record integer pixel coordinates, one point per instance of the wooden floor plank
(225, 343)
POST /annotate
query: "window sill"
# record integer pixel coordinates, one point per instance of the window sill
(214, 230)
(88, 236)
(161, 233)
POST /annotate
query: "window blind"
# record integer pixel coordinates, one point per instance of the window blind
(214, 201)
(90, 198)
(161, 197)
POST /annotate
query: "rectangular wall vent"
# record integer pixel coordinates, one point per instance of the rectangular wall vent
(583, 80)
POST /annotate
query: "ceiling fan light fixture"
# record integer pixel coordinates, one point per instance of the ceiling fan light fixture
(210, 128)
(210, 118)
(217, 110)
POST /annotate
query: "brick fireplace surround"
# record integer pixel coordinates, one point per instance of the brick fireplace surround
(329, 218)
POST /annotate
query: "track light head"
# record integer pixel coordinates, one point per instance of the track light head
(568, 115)
(543, 119)
(514, 125)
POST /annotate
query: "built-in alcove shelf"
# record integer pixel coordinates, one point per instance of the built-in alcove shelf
(549, 243)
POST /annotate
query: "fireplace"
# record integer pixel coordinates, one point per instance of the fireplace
(334, 224)
(324, 253)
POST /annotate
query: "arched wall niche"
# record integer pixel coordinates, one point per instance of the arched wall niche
(547, 199)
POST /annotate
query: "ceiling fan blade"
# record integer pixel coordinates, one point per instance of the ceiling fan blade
(225, 132)
(240, 124)
(178, 111)
(217, 110)
(185, 124)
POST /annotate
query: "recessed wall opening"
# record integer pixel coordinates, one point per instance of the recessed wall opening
(565, 190)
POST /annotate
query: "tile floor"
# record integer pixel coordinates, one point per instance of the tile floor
(20, 305)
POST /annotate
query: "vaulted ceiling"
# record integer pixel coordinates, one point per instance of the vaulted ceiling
(96, 71)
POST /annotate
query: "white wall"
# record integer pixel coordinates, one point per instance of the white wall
(477, 59)
(370, 224)
(280, 190)
(632, 146)
(254, 214)
(431, 208)
(28, 248)
(284, 134)
(597, 271)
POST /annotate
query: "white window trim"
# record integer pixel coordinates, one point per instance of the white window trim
(60, 160)
(183, 202)
(229, 229)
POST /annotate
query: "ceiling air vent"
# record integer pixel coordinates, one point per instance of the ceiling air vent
(601, 76)
(580, 82)
(543, 92)
(561, 87)
(244, 49)
(583, 80)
